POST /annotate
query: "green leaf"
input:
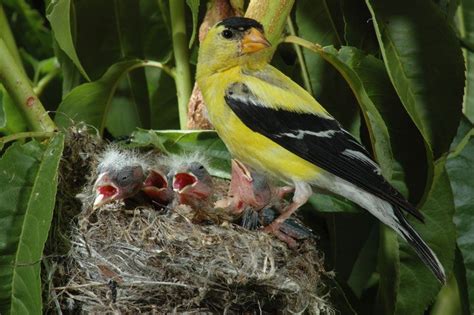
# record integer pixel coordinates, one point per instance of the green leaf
(407, 286)
(119, 38)
(7, 36)
(317, 23)
(194, 6)
(366, 263)
(418, 287)
(29, 182)
(333, 204)
(467, 12)
(71, 76)
(461, 174)
(11, 119)
(157, 38)
(448, 7)
(358, 71)
(425, 63)
(59, 15)
(122, 119)
(448, 301)
(29, 28)
(460, 274)
(164, 112)
(186, 142)
(90, 102)
(388, 266)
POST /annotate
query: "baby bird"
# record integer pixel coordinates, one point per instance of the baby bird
(250, 189)
(258, 203)
(121, 176)
(192, 184)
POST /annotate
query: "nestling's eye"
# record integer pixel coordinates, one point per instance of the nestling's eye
(228, 34)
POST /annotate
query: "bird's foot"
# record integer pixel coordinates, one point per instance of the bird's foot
(274, 228)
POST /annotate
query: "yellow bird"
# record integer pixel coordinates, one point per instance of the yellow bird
(271, 124)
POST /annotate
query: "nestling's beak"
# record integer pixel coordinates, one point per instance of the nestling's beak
(254, 41)
(156, 187)
(186, 183)
(106, 190)
(240, 171)
(183, 182)
(249, 189)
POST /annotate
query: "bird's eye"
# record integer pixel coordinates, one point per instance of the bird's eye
(227, 34)
(201, 167)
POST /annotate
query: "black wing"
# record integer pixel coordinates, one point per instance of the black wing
(321, 141)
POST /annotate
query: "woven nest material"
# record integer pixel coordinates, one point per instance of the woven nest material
(142, 260)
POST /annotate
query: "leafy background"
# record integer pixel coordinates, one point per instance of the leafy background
(397, 74)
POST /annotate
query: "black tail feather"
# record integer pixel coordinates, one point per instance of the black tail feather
(422, 249)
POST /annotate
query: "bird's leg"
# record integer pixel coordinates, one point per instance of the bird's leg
(281, 192)
(302, 193)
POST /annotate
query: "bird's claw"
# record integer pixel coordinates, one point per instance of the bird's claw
(274, 228)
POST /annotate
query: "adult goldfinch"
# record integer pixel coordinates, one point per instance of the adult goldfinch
(272, 124)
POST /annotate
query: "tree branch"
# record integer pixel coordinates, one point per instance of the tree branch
(272, 14)
(7, 35)
(19, 88)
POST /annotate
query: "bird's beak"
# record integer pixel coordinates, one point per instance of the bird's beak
(251, 188)
(239, 171)
(105, 190)
(156, 187)
(241, 188)
(186, 183)
(254, 41)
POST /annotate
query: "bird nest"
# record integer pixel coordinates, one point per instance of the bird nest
(143, 260)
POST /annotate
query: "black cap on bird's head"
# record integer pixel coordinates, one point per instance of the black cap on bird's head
(240, 23)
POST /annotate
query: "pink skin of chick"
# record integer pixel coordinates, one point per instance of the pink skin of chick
(250, 189)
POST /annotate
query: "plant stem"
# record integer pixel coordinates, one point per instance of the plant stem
(43, 83)
(299, 54)
(7, 35)
(272, 14)
(28, 134)
(181, 56)
(162, 66)
(20, 90)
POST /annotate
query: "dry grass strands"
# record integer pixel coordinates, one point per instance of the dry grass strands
(139, 261)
